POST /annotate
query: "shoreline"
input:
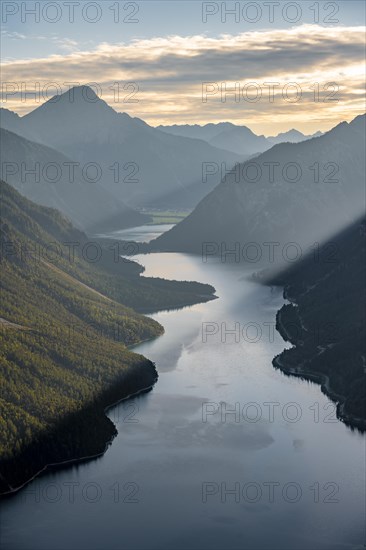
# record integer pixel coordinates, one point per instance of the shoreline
(81, 459)
(11, 491)
(321, 379)
(152, 311)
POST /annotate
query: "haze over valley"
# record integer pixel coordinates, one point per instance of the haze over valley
(182, 252)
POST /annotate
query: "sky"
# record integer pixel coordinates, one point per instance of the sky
(271, 65)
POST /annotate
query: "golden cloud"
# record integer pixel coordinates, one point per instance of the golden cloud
(169, 73)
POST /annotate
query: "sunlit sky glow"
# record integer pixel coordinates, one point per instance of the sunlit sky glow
(169, 54)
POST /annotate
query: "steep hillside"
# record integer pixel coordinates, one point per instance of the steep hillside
(300, 193)
(325, 321)
(140, 164)
(51, 179)
(64, 337)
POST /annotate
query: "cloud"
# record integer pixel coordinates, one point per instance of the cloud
(12, 35)
(169, 72)
(67, 44)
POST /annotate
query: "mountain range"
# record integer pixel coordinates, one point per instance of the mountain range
(292, 136)
(235, 138)
(45, 176)
(135, 166)
(294, 192)
(139, 165)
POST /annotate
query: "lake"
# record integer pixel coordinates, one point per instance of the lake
(141, 233)
(225, 452)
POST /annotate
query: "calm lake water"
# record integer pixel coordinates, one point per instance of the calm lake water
(139, 234)
(224, 453)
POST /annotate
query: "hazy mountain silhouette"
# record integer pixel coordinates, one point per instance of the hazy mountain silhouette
(13, 122)
(196, 131)
(292, 136)
(235, 138)
(225, 135)
(151, 163)
(86, 204)
(250, 205)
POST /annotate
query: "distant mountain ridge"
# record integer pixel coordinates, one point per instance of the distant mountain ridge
(140, 164)
(300, 193)
(236, 138)
(292, 136)
(43, 175)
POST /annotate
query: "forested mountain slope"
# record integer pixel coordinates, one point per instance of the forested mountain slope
(49, 178)
(64, 337)
(325, 321)
(295, 192)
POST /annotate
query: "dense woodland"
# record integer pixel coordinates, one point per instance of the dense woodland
(325, 321)
(64, 338)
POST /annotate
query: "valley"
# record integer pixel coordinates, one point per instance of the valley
(219, 415)
(183, 267)
(65, 338)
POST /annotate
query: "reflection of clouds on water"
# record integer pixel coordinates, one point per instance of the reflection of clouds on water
(169, 452)
(174, 406)
(298, 444)
(170, 425)
(242, 436)
(175, 423)
(140, 234)
(169, 361)
(166, 351)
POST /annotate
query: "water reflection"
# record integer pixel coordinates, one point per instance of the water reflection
(224, 452)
